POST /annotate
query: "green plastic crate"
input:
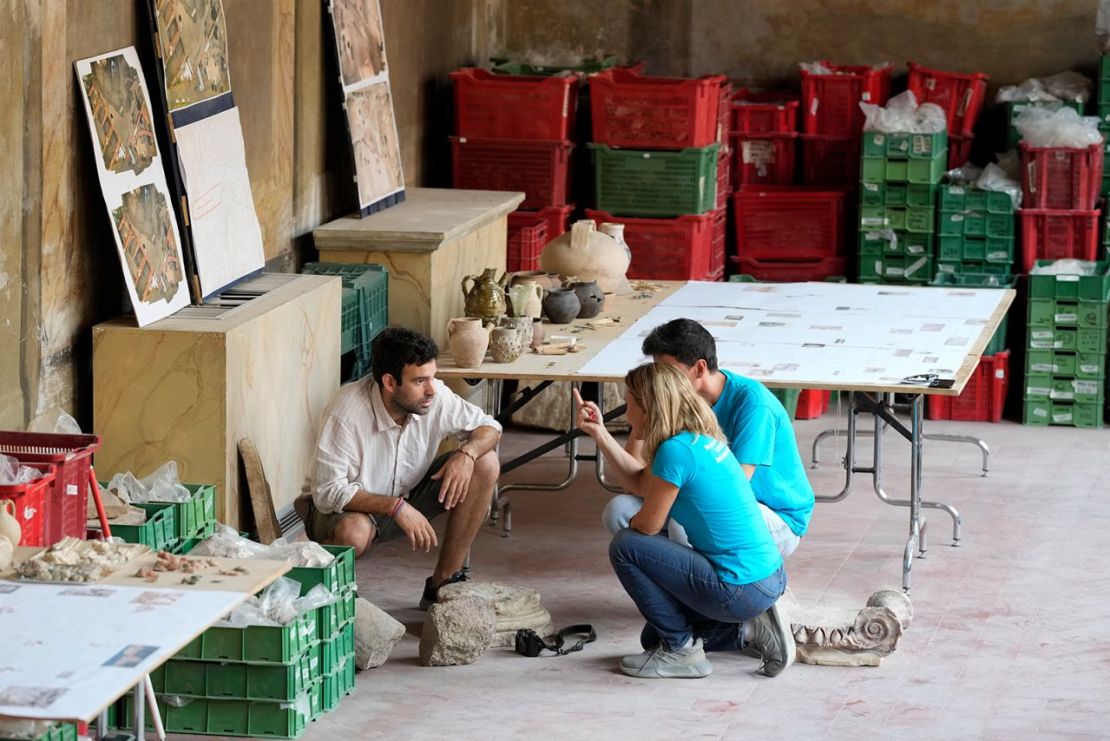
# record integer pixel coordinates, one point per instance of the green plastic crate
(338, 685)
(348, 321)
(194, 517)
(371, 282)
(1056, 388)
(997, 269)
(982, 280)
(338, 576)
(910, 219)
(1070, 339)
(1071, 287)
(277, 682)
(961, 198)
(1049, 313)
(898, 269)
(56, 732)
(1082, 366)
(1071, 414)
(788, 398)
(257, 644)
(250, 718)
(975, 249)
(503, 66)
(183, 547)
(898, 195)
(902, 146)
(634, 182)
(975, 224)
(159, 532)
(921, 172)
(877, 244)
(335, 651)
(332, 617)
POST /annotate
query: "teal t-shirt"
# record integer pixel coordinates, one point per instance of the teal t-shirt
(716, 505)
(761, 435)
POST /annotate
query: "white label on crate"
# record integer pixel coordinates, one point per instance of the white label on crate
(946, 268)
(757, 151)
(1001, 255)
(1043, 345)
(1041, 334)
(915, 249)
(878, 139)
(1088, 368)
(878, 267)
(1067, 318)
(957, 217)
(873, 187)
(71, 490)
(1086, 388)
(1062, 395)
(956, 190)
(1043, 367)
(646, 155)
(871, 236)
(1061, 418)
(1040, 412)
(1000, 374)
(1067, 278)
(874, 221)
(865, 95)
(895, 272)
(913, 267)
(813, 106)
(1037, 391)
(28, 512)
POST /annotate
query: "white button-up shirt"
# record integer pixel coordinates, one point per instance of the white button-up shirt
(361, 448)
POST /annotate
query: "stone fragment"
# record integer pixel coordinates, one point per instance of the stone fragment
(376, 633)
(515, 607)
(846, 636)
(457, 632)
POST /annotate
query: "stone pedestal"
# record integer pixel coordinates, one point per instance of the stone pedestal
(847, 636)
(514, 607)
(189, 387)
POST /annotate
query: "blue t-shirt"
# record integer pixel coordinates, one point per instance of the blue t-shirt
(760, 434)
(716, 505)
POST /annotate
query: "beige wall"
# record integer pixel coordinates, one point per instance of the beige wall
(59, 273)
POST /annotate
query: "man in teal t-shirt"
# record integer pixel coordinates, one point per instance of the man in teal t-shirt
(758, 428)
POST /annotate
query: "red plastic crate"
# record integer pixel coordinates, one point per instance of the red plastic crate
(1060, 177)
(724, 175)
(639, 112)
(830, 160)
(558, 219)
(763, 160)
(763, 113)
(830, 103)
(790, 272)
(982, 398)
(67, 500)
(959, 150)
(1056, 235)
(719, 248)
(789, 224)
(960, 95)
(812, 403)
(537, 168)
(526, 237)
(724, 94)
(666, 249)
(31, 501)
(514, 106)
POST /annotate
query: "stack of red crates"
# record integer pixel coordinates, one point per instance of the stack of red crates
(833, 122)
(788, 233)
(1059, 215)
(961, 97)
(640, 117)
(763, 138)
(513, 132)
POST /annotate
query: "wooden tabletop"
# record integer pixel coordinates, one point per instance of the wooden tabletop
(427, 219)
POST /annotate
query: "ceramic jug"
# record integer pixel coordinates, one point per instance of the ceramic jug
(505, 345)
(561, 306)
(467, 339)
(9, 525)
(485, 298)
(591, 298)
(525, 299)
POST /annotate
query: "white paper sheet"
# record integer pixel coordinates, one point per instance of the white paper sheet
(227, 239)
(70, 649)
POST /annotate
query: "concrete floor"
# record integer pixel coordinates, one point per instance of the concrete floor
(1006, 641)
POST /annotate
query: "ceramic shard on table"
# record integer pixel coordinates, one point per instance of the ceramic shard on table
(133, 183)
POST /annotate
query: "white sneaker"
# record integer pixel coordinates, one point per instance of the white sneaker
(664, 663)
(773, 640)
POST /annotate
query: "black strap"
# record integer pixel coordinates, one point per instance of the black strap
(530, 643)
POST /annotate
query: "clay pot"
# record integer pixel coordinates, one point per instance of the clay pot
(467, 339)
(588, 254)
(561, 306)
(523, 327)
(9, 525)
(525, 299)
(485, 298)
(590, 296)
(537, 332)
(546, 281)
(504, 345)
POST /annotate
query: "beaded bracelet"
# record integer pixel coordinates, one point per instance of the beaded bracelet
(396, 508)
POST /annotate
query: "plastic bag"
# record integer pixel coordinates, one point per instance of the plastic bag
(299, 553)
(161, 486)
(902, 115)
(1066, 267)
(278, 604)
(965, 175)
(226, 542)
(1042, 127)
(995, 178)
(318, 596)
(278, 601)
(815, 68)
(1062, 86)
(14, 472)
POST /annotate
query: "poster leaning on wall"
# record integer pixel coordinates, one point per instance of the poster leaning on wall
(129, 167)
(368, 102)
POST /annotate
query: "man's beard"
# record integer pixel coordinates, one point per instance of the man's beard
(414, 407)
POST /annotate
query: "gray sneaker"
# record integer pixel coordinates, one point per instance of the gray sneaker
(772, 640)
(664, 663)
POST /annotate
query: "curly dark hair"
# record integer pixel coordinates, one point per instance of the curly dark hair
(685, 340)
(396, 347)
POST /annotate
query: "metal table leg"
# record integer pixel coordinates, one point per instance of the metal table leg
(138, 718)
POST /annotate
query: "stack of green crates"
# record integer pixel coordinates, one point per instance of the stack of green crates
(975, 231)
(56, 732)
(174, 526)
(982, 280)
(899, 174)
(1104, 117)
(1065, 361)
(266, 680)
(365, 309)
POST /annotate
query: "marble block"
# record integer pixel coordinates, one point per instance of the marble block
(457, 632)
(188, 388)
(849, 636)
(515, 608)
(428, 243)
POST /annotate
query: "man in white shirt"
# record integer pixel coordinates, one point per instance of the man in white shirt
(376, 473)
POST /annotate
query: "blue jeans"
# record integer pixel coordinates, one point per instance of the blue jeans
(675, 587)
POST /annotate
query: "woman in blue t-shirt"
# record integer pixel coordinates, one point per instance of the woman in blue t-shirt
(731, 575)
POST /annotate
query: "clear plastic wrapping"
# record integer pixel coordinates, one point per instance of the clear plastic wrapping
(1063, 127)
(902, 114)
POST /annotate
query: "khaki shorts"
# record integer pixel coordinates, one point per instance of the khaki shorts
(320, 526)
